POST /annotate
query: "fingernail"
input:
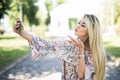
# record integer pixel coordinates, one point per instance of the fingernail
(18, 21)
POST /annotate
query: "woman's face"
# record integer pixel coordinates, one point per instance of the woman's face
(81, 30)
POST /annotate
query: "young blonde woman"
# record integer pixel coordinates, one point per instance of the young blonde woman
(82, 58)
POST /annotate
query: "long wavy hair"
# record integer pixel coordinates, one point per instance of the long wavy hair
(96, 45)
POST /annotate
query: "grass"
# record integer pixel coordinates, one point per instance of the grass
(11, 48)
(112, 45)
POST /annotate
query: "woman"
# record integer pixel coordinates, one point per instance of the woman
(82, 58)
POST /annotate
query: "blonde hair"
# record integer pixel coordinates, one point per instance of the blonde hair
(96, 45)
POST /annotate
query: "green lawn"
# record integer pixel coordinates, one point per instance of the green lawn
(112, 45)
(11, 48)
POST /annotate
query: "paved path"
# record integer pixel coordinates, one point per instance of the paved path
(49, 68)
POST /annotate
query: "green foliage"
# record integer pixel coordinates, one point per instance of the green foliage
(49, 6)
(114, 50)
(60, 2)
(111, 7)
(4, 6)
(29, 10)
(72, 22)
(107, 13)
(11, 48)
(8, 55)
(47, 21)
(117, 11)
(14, 11)
(112, 45)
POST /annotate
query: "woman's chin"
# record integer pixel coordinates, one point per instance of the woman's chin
(75, 34)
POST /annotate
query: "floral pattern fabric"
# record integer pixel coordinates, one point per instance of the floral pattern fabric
(66, 51)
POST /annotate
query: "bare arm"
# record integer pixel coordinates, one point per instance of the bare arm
(26, 36)
(23, 34)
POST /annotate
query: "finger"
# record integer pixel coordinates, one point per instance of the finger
(78, 43)
(16, 26)
(79, 40)
(17, 20)
(81, 43)
(72, 39)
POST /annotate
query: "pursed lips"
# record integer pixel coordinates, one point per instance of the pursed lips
(76, 30)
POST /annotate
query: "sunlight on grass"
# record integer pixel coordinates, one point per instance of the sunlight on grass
(8, 55)
(13, 43)
(11, 48)
(112, 45)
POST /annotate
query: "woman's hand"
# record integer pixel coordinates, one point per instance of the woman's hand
(78, 43)
(81, 63)
(22, 33)
(17, 27)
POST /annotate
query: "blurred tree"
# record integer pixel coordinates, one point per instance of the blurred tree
(4, 7)
(72, 23)
(49, 6)
(14, 11)
(107, 13)
(117, 11)
(29, 10)
(60, 2)
(117, 16)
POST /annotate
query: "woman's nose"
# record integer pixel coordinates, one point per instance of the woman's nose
(78, 26)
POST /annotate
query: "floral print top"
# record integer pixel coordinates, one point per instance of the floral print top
(67, 52)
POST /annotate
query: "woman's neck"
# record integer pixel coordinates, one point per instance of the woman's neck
(83, 39)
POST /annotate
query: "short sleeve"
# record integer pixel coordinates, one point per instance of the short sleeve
(63, 49)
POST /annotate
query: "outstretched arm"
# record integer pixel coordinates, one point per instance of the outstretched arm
(23, 34)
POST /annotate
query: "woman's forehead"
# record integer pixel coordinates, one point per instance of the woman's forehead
(82, 20)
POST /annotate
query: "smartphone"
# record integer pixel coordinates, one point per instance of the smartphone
(20, 27)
